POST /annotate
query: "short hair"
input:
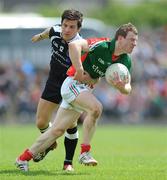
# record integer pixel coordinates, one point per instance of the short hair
(124, 29)
(72, 14)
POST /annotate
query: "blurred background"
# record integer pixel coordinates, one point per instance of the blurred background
(24, 66)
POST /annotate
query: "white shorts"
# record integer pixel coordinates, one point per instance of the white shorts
(69, 91)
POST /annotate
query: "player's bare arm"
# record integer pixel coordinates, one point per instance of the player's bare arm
(75, 49)
(41, 36)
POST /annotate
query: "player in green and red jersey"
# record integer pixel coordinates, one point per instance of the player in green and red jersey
(100, 56)
(76, 90)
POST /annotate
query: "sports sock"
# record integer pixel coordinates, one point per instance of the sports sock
(45, 129)
(85, 148)
(26, 156)
(70, 143)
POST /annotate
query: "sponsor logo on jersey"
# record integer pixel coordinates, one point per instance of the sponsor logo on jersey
(55, 44)
(101, 60)
(97, 70)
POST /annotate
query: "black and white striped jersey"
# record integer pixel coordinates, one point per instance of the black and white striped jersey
(59, 53)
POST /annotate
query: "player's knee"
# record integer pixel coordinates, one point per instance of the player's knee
(41, 123)
(57, 132)
(96, 110)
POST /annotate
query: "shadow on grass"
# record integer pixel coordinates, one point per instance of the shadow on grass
(41, 172)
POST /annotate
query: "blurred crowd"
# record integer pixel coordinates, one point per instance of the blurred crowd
(21, 85)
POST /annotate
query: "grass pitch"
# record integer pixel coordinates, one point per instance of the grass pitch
(123, 152)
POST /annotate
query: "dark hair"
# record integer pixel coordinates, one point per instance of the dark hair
(72, 14)
(124, 29)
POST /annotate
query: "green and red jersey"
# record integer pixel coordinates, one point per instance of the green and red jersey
(100, 56)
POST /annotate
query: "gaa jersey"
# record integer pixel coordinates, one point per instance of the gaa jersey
(59, 64)
(100, 56)
(59, 54)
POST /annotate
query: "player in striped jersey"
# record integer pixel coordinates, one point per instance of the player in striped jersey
(60, 36)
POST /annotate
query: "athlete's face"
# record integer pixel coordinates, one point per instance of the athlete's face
(69, 29)
(129, 42)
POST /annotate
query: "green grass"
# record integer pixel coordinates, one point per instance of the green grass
(123, 152)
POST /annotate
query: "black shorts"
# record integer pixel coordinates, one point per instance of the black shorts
(52, 90)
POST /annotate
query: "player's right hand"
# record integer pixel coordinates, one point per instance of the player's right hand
(88, 80)
(79, 75)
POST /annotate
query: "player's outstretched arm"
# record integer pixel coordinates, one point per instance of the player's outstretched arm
(41, 36)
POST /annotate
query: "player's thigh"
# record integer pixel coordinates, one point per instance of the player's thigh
(87, 101)
(45, 109)
(65, 118)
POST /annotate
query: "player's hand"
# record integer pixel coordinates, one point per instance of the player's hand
(79, 75)
(119, 83)
(88, 80)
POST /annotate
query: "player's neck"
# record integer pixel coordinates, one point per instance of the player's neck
(67, 39)
(118, 49)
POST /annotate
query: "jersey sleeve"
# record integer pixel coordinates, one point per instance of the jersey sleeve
(92, 41)
(53, 30)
